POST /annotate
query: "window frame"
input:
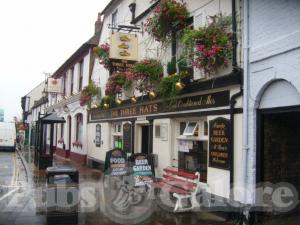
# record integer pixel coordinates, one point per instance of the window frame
(79, 124)
(98, 131)
(80, 71)
(186, 133)
(116, 133)
(72, 81)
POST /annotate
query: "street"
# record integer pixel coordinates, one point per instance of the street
(23, 204)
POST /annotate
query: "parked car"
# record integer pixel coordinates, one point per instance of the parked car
(7, 136)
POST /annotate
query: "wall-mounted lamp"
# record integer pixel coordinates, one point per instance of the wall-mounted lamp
(66, 109)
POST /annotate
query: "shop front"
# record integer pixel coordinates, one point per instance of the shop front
(194, 133)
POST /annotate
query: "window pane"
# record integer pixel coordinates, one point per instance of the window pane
(190, 128)
(157, 131)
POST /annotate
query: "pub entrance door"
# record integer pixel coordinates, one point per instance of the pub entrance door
(145, 140)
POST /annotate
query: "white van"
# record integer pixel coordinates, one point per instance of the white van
(7, 135)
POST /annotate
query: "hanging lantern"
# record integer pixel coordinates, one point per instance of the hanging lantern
(106, 106)
(119, 101)
(179, 85)
(133, 99)
(105, 98)
(151, 94)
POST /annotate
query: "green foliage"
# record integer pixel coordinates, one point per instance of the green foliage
(147, 73)
(102, 52)
(209, 47)
(88, 93)
(108, 99)
(166, 15)
(182, 65)
(167, 87)
(91, 90)
(171, 66)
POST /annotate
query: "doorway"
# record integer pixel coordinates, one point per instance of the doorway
(278, 152)
(145, 139)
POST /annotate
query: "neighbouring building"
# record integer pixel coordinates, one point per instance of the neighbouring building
(33, 104)
(201, 130)
(272, 93)
(70, 138)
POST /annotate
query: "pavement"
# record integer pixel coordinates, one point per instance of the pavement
(24, 202)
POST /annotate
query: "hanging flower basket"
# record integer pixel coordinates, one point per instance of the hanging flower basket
(166, 16)
(115, 83)
(210, 47)
(77, 144)
(88, 92)
(146, 74)
(102, 52)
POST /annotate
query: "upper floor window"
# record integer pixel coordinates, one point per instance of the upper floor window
(114, 18)
(80, 75)
(72, 80)
(64, 79)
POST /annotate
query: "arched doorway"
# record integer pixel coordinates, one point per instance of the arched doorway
(278, 137)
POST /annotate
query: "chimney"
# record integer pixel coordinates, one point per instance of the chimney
(98, 24)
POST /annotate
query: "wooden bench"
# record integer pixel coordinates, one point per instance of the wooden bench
(182, 185)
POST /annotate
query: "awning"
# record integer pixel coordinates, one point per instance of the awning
(52, 118)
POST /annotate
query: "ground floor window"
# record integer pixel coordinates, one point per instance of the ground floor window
(117, 136)
(192, 144)
(79, 126)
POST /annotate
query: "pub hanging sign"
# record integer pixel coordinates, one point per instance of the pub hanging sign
(219, 143)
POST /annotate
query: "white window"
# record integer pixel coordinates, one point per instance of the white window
(117, 136)
(98, 135)
(80, 70)
(190, 129)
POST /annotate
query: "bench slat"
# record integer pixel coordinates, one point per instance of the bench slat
(167, 187)
(181, 173)
(185, 182)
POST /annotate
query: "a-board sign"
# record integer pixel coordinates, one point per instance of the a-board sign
(127, 137)
(116, 162)
(219, 143)
(142, 169)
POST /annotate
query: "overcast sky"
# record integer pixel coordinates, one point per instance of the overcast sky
(37, 36)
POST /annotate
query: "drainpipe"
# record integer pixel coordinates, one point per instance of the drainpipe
(245, 97)
(234, 39)
(235, 96)
(232, 104)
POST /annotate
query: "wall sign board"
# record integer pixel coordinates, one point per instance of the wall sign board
(219, 143)
(123, 46)
(142, 170)
(127, 138)
(116, 162)
(217, 99)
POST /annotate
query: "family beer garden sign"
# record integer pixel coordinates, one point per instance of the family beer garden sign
(217, 99)
(219, 143)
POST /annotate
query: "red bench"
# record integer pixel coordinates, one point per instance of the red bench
(182, 185)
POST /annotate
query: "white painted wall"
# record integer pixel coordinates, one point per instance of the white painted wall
(99, 153)
(36, 93)
(163, 148)
(274, 55)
